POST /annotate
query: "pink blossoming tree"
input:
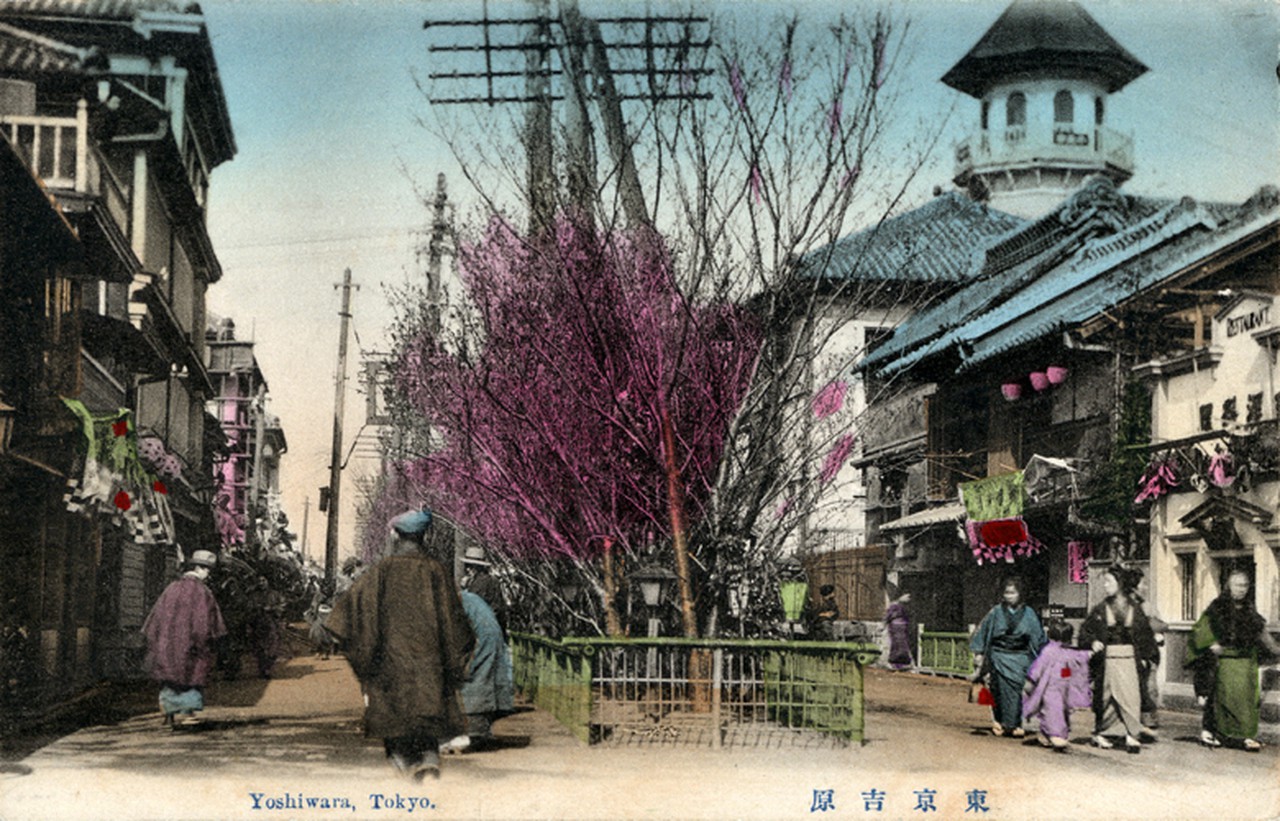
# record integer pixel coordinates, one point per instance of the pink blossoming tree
(663, 413)
(579, 388)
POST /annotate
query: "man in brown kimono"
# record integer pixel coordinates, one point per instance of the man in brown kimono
(408, 640)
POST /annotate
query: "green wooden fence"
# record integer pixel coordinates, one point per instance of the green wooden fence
(944, 653)
(697, 691)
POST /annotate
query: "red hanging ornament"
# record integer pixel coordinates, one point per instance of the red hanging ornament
(159, 487)
(120, 427)
(122, 501)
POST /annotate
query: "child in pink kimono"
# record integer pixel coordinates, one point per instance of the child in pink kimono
(1057, 683)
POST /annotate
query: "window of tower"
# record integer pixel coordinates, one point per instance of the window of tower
(986, 113)
(1016, 110)
(1064, 110)
(1097, 111)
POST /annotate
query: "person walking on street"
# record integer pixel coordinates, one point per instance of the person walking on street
(489, 692)
(1057, 683)
(1223, 650)
(1147, 678)
(1118, 633)
(1004, 645)
(897, 620)
(407, 638)
(480, 581)
(181, 631)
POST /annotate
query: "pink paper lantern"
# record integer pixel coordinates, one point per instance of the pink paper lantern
(1011, 391)
(1039, 380)
(1056, 374)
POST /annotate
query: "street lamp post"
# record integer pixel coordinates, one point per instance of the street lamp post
(655, 583)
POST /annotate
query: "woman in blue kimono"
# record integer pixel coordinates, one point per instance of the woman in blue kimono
(1006, 642)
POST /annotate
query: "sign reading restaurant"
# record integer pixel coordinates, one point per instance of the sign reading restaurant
(1249, 320)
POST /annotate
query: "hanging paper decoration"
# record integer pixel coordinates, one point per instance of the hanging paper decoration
(1003, 540)
(1078, 556)
(997, 497)
(113, 482)
(1158, 480)
(1222, 468)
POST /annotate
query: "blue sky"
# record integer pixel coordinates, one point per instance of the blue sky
(325, 109)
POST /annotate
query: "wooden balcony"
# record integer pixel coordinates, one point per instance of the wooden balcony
(58, 152)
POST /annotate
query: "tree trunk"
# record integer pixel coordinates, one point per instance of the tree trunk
(675, 499)
(613, 624)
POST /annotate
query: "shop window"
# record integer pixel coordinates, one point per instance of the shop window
(1187, 577)
(1206, 417)
(1064, 109)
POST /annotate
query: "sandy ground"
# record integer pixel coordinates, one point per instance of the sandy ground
(291, 748)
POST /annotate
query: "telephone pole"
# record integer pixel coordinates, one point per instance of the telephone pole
(335, 459)
(306, 515)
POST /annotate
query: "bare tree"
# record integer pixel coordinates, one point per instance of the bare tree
(750, 189)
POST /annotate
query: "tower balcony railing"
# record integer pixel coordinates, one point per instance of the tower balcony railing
(1056, 142)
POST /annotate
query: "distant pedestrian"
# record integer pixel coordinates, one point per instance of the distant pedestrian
(1147, 678)
(897, 621)
(181, 631)
(265, 612)
(1004, 645)
(489, 691)
(1223, 650)
(484, 584)
(1057, 683)
(826, 614)
(407, 639)
(319, 610)
(1118, 633)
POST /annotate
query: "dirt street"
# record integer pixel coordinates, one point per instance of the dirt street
(291, 748)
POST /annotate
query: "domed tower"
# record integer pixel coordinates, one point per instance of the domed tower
(1042, 74)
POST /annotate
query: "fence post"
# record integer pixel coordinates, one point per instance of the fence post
(82, 146)
(717, 678)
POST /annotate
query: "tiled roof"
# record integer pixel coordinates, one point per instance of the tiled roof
(1034, 35)
(1083, 290)
(94, 9)
(933, 243)
(1070, 281)
(24, 53)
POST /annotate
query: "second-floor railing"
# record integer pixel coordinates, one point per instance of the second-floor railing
(56, 149)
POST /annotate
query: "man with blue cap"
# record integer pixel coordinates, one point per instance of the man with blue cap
(408, 640)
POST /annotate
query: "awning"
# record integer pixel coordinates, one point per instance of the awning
(949, 513)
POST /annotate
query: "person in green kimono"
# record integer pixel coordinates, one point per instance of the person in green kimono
(1004, 645)
(1223, 650)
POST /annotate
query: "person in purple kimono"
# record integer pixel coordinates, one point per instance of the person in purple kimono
(898, 622)
(1057, 683)
(181, 631)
